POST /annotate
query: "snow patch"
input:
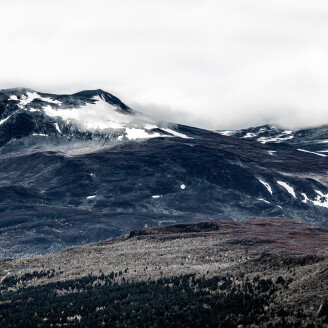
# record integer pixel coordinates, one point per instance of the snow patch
(312, 152)
(277, 139)
(306, 199)
(133, 133)
(100, 115)
(263, 200)
(287, 187)
(177, 134)
(250, 135)
(57, 127)
(150, 126)
(50, 100)
(266, 186)
(29, 97)
(24, 100)
(319, 192)
(5, 119)
(226, 133)
(320, 200)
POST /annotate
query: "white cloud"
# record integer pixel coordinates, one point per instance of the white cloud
(214, 64)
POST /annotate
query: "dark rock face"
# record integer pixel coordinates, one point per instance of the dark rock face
(63, 183)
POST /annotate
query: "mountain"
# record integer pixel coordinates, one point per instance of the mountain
(85, 167)
(33, 121)
(260, 273)
(312, 140)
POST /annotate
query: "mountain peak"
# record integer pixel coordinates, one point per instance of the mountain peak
(106, 96)
(92, 93)
(89, 119)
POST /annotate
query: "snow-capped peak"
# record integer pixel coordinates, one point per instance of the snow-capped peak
(91, 118)
(98, 115)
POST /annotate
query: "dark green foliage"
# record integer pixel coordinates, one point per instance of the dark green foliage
(183, 301)
(13, 280)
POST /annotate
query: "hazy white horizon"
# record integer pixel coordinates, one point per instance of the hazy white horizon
(212, 64)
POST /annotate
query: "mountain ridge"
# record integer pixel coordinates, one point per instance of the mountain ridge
(313, 140)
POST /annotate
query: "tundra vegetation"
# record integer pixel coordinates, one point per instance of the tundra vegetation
(262, 273)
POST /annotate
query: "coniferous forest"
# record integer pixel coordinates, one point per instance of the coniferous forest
(181, 301)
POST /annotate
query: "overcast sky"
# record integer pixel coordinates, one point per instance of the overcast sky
(214, 64)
